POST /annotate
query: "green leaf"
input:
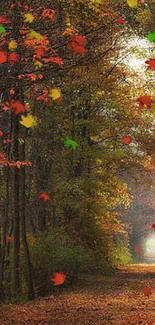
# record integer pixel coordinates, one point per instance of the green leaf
(2, 29)
(151, 36)
(69, 143)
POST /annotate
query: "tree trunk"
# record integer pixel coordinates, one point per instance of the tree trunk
(16, 218)
(23, 231)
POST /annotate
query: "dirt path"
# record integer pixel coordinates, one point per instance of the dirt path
(117, 300)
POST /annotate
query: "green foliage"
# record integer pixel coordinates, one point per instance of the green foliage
(57, 252)
(121, 254)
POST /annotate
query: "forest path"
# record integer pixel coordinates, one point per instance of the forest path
(100, 300)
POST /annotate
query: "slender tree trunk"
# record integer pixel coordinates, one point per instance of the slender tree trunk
(16, 218)
(23, 231)
(5, 223)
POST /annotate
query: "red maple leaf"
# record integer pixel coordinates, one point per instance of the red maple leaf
(31, 76)
(127, 139)
(40, 51)
(153, 226)
(56, 59)
(121, 20)
(147, 292)
(77, 44)
(151, 63)
(48, 13)
(145, 100)
(3, 56)
(13, 57)
(19, 108)
(4, 20)
(58, 278)
(44, 196)
(11, 92)
(1, 133)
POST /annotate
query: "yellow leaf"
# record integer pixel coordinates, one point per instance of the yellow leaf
(21, 141)
(54, 93)
(100, 2)
(34, 35)
(28, 18)
(28, 121)
(132, 3)
(38, 64)
(12, 45)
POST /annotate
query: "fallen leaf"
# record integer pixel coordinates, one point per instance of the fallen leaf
(147, 292)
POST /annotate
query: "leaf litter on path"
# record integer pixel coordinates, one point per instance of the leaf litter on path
(100, 300)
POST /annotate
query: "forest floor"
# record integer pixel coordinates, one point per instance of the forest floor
(101, 300)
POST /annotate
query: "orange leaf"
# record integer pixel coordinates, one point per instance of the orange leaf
(13, 57)
(19, 108)
(151, 63)
(3, 56)
(145, 100)
(44, 196)
(127, 139)
(58, 279)
(40, 51)
(147, 292)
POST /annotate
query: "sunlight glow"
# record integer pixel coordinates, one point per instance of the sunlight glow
(138, 49)
(149, 248)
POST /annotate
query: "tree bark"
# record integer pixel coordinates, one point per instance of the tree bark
(23, 231)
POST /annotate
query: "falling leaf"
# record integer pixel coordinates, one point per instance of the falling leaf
(69, 143)
(48, 13)
(121, 20)
(28, 121)
(13, 57)
(28, 18)
(151, 63)
(100, 2)
(12, 45)
(38, 64)
(151, 36)
(145, 100)
(40, 51)
(3, 56)
(1, 133)
(147, 292)
(31, 76)
(21, 141)
(54, 93)
(153, 226)
(11, 92)
(58, 278)
(19, 108)
(77, 44)
(44, 196)
(132, 3)
(127, 139)
(2, 29)
(32, 34)
(4, 20)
